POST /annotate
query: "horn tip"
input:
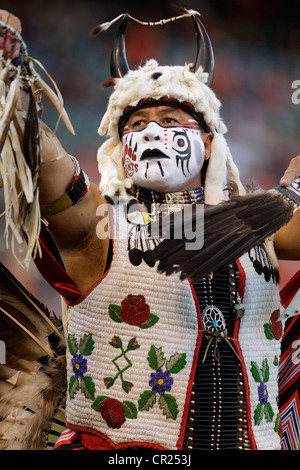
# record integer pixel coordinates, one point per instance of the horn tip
(96, 31)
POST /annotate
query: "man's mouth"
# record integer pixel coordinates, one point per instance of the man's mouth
(153, 153)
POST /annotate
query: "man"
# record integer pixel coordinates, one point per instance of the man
(146, 366)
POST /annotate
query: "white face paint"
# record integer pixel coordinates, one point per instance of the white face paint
(164, 158)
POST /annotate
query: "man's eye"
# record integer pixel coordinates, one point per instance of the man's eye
(169, 120)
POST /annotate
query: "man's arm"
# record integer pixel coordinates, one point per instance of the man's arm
(74, 229)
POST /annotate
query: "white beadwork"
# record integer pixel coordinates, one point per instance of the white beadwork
(259, 304)
(175, 332)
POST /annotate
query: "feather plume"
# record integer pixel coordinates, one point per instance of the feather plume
(33, 378)
(230, 230)
(10, 105)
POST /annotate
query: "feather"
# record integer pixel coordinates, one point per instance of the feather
(230, 230)
(14, 293)
(33, 378)
(23, 170)
(20, 149)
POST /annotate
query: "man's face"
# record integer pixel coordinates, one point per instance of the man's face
(163, 148)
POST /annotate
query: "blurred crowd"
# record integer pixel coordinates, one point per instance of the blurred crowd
(256, 47)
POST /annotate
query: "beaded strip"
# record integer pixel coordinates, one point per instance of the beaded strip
(292, 192)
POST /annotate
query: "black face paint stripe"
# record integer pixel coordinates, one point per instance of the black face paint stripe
(146, 171)
(184, 155)
(161, 169)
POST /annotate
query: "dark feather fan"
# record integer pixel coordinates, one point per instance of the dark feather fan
(230, 230)
(33, 377)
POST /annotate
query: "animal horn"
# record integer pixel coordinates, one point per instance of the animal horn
(205, 53)
(118, 61)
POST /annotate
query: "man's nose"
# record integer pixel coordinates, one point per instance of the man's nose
(153, 133)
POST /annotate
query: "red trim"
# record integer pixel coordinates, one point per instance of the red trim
(239, 351)
(65, 438)
(242, 279)
(193, 371)
(102, 442)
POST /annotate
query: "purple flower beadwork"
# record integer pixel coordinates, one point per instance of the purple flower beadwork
(79, 364)
(161, 382)
(262, 393)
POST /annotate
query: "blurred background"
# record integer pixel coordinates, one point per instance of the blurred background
(256, 47)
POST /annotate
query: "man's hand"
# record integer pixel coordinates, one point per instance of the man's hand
(11, 20)
(292, 172)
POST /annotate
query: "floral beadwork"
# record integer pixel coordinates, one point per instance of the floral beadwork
(264, 408)
(79, 364)
(273, 330)
(80, 381)
(161, 382)
(134, 311)
(116, 342)
(113, 411)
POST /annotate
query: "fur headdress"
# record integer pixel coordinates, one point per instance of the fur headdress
(188, 85)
